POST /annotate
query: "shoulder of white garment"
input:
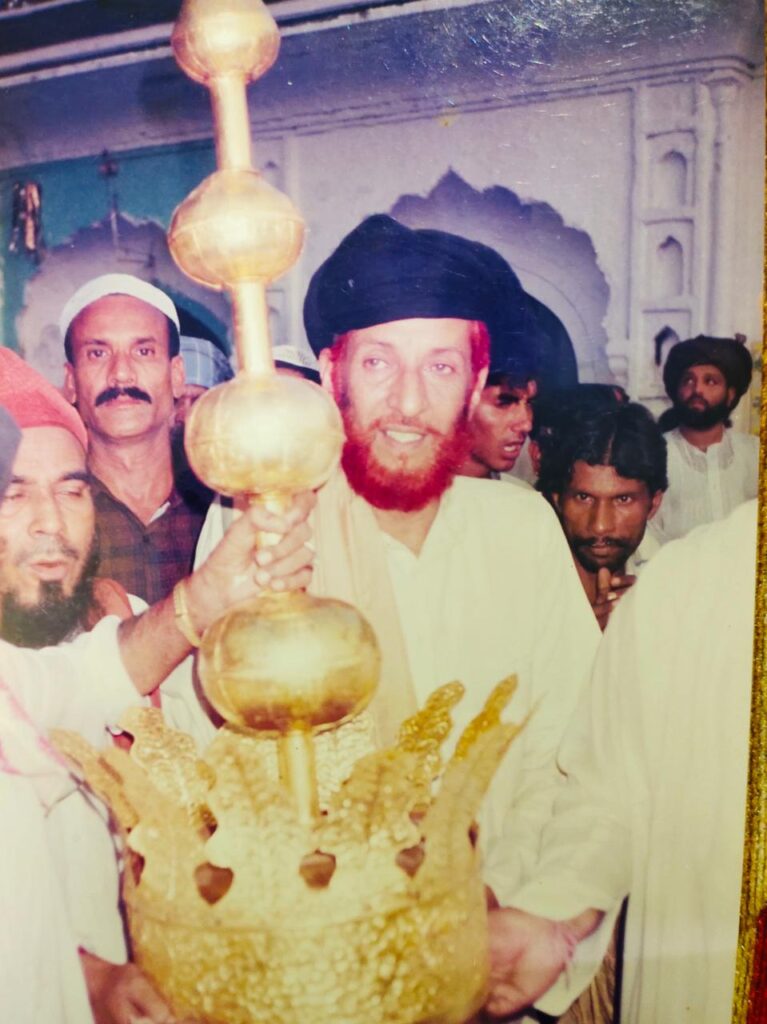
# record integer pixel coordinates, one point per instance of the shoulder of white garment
(485, 496)
(218, 518)
(81, 685)
(712, 549)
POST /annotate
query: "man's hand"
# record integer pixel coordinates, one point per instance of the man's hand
(527, 955)
(152, 644)
(235, 571)
(610, 589)
(122, 994)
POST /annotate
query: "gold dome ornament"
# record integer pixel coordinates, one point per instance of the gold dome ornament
(264, 434)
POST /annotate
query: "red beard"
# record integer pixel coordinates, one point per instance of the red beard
(403, 490)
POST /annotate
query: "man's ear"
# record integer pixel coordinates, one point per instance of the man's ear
(476, 391)
(556, 502)
(177, 376)
(69, 389)
(732, 398)
(326, 370)
(657, 498)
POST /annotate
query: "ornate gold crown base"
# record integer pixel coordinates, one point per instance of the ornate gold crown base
(422, 963)
(242, 911)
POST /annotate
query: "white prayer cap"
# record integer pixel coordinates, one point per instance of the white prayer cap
(116, 284)
(299, 359)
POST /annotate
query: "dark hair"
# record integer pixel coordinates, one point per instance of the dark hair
(557, 405)
(174, 342)
(623, 435)
(518, 377)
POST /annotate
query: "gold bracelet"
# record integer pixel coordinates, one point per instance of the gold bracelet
(184, 622)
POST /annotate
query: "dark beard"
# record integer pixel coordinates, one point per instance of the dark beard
(702, 419)
(54, 617)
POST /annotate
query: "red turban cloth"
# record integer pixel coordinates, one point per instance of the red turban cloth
(33, 401)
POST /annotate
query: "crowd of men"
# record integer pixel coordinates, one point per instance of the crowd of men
(114, 559)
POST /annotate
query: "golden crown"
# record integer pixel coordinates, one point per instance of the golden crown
(241, 913)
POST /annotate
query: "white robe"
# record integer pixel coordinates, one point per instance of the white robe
(492, 592)
(81, 686)
(655, 799)
(705, 485)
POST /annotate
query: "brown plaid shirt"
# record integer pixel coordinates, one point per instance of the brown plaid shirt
(148, 559)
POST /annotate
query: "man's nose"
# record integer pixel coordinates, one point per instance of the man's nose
(46, 515)
(525, 418)
(121, 370)
(602, 518)
(408, 396)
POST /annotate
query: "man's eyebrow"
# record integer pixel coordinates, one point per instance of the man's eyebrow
(77, 474)
(446, 351)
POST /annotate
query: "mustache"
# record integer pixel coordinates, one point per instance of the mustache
(602, 542)
(48, 551)
(405, 423)
(110, 394)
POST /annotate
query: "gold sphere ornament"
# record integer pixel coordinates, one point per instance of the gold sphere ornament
(225, 37)
(275, 665)
(235, 227)
(264, 434)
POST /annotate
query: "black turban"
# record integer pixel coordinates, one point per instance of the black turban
(727, 354)
(383, 271)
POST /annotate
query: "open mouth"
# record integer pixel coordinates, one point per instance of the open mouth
(408, 438)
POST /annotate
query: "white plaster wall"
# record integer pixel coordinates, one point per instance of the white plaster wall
(573, 153)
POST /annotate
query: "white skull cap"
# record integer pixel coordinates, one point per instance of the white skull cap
(116, 284)
(291, 355)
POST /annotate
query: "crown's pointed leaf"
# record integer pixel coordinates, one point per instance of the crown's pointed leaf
(96, 769)
(374, 805)
(170, 758)
(424, 733)
(447, 823)
(490, 715)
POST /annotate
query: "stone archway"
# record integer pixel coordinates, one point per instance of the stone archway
(555, 263)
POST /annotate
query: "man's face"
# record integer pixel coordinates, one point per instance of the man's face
(500, 424)
(121, 376)
(703, 398)
(46, 530)
(604, 515)
(405, 390)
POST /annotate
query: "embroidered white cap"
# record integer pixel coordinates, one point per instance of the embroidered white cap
(299, 359)
(116, 284)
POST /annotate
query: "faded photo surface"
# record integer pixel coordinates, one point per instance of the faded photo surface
(611, 151)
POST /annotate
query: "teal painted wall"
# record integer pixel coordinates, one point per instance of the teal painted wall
(150, 183)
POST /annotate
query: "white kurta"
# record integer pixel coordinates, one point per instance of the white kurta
(655, 799)
(704, 486)
(80, 686)
(493, 591)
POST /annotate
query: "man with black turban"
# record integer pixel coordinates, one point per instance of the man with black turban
(460, 578)
(711, 468)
